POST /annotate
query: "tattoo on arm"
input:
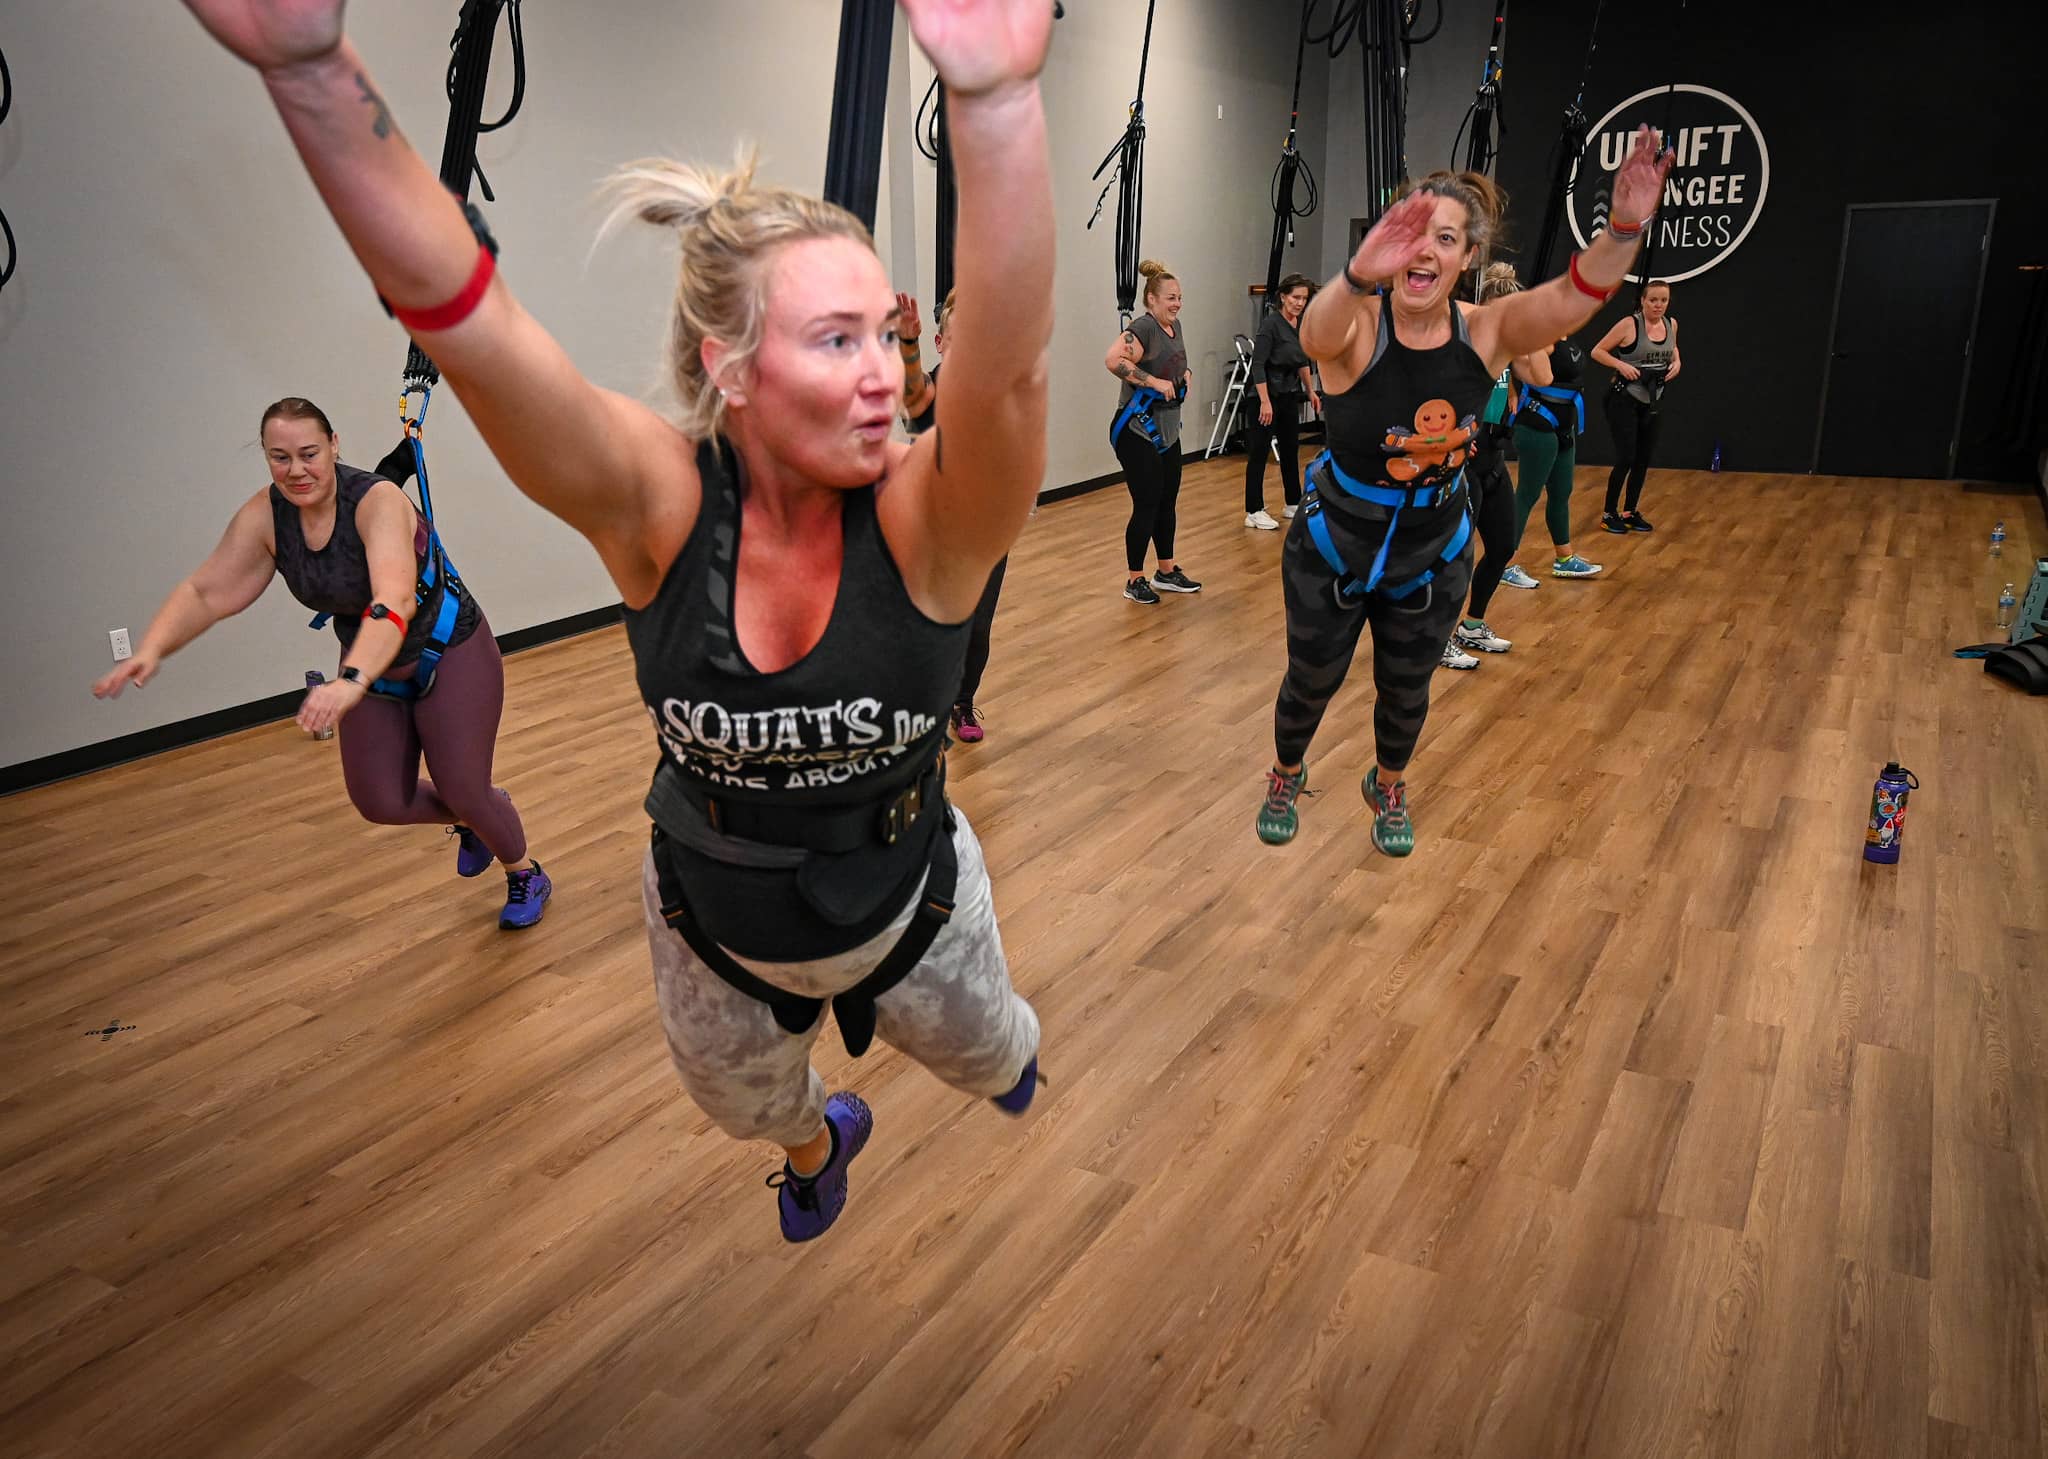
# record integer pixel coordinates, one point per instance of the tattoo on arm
(381, 122)
(1128, 372)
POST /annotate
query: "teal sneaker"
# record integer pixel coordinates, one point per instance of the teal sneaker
(1278, 819)
(1392, 831)
(1574, 566)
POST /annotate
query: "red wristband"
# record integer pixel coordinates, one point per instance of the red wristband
(457, 309)
(1626, 230)
(1603, 295)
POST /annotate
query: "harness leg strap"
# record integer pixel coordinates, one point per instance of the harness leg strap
(794, 1013)
(855, 1008)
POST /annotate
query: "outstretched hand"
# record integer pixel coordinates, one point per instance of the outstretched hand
(979, 45)
(1639, 185)
(908, 325)
(138, 670)
(1395, 239)
(271, 33)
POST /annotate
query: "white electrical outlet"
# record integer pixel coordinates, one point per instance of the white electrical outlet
(118, 637)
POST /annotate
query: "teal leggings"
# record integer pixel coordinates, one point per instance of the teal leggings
(1543, 465)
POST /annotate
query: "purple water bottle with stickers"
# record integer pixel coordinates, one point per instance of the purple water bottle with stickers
(1888, 813)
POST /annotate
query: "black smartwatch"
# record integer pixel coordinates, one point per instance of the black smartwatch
(350, 675)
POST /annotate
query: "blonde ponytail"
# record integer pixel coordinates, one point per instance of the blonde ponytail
(727, 226)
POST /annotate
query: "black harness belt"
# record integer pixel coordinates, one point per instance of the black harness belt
(781, 837)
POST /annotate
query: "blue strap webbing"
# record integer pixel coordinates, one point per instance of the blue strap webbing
(1559, 395)
(1138, 410)
(1349, 584)
(1384, 496)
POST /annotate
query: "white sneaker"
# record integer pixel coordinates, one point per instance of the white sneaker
(1514, 577)
(1291, 510)
(1456, 658)
(1482, 638)
(1260, 520)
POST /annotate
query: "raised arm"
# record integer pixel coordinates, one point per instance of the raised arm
(593, 458)
(976, 476)
(233, 576)
(917, 381)
(1342, 321)
(1515, 324)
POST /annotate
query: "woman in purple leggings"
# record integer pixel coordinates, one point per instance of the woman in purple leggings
(348, 543)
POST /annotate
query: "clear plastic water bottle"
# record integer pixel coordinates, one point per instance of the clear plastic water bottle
(314, 679)
(1998, 540)
(2005, 606)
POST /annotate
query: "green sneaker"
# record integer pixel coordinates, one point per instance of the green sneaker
(1392, 831)
(1278, 820)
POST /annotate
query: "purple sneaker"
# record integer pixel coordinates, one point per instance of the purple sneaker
(526, 897)
(809, 1204)
(1019, 1098)
(472, 857)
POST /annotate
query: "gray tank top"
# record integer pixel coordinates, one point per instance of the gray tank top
(335, 579)
(1166, 355)
(1651, 357)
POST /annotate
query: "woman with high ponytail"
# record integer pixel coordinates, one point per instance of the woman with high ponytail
(1383, 538)
(798, 586)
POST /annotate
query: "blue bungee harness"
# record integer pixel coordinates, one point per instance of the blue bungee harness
(437, 583)
(1350, 588)
(1137, 411)
(1540, 398)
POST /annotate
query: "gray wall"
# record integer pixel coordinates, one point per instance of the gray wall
(178, 273)
(1442, 78)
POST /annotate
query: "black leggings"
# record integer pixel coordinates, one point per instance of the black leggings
(1258, 439)
(1408, 641)
(977, 637)
(1153, 477)
(1493, 513)
(1634, 424)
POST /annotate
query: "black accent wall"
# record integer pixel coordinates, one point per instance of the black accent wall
(1857, 106)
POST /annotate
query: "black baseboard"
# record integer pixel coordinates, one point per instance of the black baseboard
(119, 751)
(1079, 488)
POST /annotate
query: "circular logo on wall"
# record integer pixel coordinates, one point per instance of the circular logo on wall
(1717, 184)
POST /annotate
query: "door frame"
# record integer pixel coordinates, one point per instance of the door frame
(1820, 423)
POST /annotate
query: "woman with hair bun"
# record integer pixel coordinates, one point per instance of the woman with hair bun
(1383, 539)
(798, 586)
(1150, 357)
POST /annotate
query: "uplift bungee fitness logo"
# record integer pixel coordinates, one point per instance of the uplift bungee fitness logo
(1717, 185)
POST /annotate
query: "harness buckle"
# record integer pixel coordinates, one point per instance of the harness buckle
(903, 813)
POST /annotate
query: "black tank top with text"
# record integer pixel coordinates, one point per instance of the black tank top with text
(1408, 422)
(336, 578)
(853, 722)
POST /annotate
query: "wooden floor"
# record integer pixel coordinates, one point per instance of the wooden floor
(1634, 1115)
